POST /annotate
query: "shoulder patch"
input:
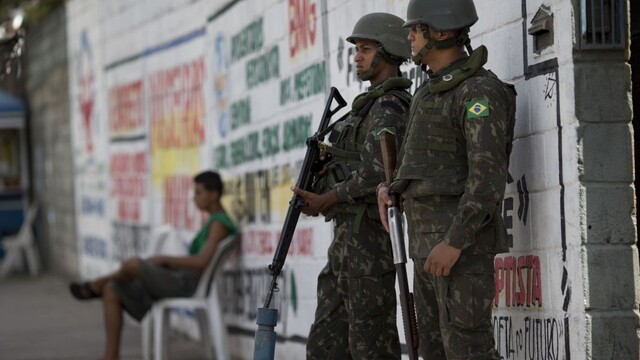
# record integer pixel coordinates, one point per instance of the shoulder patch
(477, 108)
(380, 130)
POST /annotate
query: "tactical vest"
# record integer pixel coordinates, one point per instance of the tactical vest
(346, 146)
(434, 150)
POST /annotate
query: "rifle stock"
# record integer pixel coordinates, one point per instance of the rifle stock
(388, 145)
(305, 180)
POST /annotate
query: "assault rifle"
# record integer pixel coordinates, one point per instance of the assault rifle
(388, 144)
(267, 318)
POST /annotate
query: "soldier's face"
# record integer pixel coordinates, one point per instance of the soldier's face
(416, 38)
(365, 52)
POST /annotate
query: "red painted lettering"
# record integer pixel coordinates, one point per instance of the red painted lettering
(302, 25)
(177, 97)
(518, 281)
(177, 190)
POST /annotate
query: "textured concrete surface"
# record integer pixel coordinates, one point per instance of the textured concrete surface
(40, 320)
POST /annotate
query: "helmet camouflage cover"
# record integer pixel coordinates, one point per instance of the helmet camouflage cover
(387, 30)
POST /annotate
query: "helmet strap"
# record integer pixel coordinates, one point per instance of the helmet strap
(366, 76)
(461, 40)
(417, 58)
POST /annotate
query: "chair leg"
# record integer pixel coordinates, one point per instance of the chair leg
(147, 322)
(10, 257)
(158, 333)
(166, 333)
(31, 253)
(204, 325)
(218, 326)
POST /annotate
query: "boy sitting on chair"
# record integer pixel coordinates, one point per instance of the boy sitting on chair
(138, 283)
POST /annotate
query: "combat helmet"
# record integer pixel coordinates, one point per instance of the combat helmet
(388, 31)
(442, 15)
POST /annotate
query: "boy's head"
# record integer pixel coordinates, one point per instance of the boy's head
(208, 189)
(210, 180)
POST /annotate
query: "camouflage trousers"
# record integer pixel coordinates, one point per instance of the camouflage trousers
(356, 313)
(355, 318)
(454, 314)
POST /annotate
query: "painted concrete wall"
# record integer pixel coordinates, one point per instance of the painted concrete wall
(47, 75)
(160, 90)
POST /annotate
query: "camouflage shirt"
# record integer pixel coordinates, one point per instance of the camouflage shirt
(360, 246)
(388, 111)
(455, 159)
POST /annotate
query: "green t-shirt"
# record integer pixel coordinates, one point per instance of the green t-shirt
(198, 241)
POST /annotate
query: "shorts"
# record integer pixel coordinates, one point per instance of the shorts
(154, 283)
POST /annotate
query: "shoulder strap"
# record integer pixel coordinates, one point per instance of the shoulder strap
(363, 100)
(460, 73)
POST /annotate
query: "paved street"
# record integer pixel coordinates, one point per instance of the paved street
(40, 320)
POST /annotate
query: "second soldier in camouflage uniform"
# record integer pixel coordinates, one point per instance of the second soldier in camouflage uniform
(356, 313)
(452, 177)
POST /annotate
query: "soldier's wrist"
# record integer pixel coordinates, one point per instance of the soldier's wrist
(381, 185)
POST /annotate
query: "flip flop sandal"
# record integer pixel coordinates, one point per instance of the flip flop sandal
(82, 291)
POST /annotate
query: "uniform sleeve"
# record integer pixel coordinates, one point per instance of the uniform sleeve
(389, 112)
(485, 116)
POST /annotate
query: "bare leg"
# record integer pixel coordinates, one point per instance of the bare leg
(112, 322)
(128, 271)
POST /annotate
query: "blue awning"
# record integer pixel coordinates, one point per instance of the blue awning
(10, 104)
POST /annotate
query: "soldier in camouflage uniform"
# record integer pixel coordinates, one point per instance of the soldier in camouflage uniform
(356, 313)
(452, 176)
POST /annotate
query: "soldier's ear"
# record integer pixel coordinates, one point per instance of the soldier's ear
(443, 35)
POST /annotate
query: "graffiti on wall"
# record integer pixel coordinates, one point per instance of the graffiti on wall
(303, 26)
(128, 170)
(177, 106)
(126, 110)
(265, 141)
(518, 281)
(530, 337)
(90, 161)
(178, 209)
(86, 87)
(129, 184)
(177, 131)
(243, 291)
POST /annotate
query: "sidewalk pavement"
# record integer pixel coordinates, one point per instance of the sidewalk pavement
(39, 320)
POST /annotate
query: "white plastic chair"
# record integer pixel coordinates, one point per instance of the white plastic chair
(158, 239)
(206, 305)
(22, 242)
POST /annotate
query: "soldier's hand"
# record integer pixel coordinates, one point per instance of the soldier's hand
(441, 259)
(384, 201)
(316, 203)
(319, 169)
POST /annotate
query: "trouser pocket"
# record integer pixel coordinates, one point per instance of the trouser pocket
(468, 300)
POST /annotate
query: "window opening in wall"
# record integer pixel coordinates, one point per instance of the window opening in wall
(602, 24)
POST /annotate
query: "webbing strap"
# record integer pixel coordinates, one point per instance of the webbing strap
(349, 155)
(359, 215)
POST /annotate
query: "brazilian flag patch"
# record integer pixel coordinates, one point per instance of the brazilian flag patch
(477, 108)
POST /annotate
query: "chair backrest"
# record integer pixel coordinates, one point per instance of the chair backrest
(157, 239)
(29, 218)
(223, 251)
